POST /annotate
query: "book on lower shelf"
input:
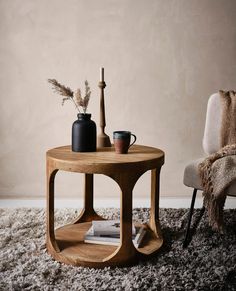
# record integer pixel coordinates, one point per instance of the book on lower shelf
(113, 237)
(107, 227)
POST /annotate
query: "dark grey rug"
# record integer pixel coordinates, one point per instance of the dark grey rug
(209, 263)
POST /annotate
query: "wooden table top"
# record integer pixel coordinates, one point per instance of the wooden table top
(105, 158)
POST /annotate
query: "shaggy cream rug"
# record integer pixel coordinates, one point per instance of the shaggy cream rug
(209, 262)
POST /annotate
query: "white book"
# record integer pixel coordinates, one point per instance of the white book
(114, 241)
(107, 227)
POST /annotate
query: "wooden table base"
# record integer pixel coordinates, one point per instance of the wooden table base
(74, 251)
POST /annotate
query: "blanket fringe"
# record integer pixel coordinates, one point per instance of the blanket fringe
(214, 204)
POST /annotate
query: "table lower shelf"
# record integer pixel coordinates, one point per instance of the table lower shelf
(73, 250)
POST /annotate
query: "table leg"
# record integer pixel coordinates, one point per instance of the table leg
(154, 210)
(126, 215)
(51, 241)
(88, 213)
(126, 252)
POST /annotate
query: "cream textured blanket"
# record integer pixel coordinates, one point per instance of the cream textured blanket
(218, 170)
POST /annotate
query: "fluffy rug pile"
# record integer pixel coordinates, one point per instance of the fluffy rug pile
(209, 262)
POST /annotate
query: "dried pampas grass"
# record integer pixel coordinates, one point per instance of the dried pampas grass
(75, 96)
(60, 89)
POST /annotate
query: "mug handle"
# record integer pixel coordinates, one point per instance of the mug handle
(135, 138)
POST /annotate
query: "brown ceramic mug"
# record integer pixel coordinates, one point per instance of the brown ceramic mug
(122, 141)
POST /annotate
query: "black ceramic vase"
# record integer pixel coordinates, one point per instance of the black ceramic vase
(84, 134)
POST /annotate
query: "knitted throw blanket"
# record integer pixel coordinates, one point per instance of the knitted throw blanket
(218, 170)
(228, 126)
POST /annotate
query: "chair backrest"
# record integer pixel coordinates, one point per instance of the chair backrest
(211, 138)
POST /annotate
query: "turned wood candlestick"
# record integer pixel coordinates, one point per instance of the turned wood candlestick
(103, 139)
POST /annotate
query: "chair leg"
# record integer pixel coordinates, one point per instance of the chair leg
(185, 243)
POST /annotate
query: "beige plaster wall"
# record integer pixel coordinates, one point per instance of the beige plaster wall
(162, 60)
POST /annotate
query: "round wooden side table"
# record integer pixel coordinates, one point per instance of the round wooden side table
(66, 244)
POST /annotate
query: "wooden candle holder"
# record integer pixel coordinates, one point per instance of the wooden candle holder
(103, 139)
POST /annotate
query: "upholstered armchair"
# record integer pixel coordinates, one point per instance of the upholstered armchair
(211, 144)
